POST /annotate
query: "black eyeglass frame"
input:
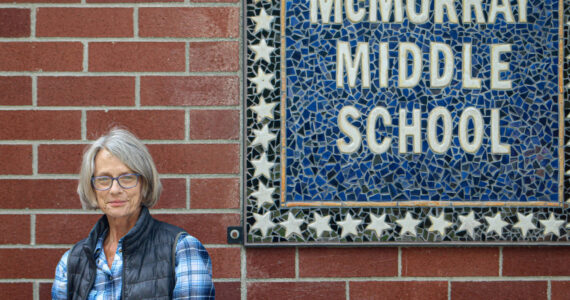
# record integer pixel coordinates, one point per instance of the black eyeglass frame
(93, 178)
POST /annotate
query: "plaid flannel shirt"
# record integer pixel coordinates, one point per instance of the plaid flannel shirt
(193, 270)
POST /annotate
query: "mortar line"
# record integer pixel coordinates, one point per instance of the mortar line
(500, 261)
(138, 91)
(34, 159)
(32, 229)
(34, 90)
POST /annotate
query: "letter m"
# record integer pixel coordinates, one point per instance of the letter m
(326, 8)
(344, 57)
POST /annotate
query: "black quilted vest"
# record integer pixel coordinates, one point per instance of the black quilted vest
(148, 260)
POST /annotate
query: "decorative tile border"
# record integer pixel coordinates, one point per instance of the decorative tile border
(271, 219)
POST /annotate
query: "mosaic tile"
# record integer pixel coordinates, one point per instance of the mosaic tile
(306, 182)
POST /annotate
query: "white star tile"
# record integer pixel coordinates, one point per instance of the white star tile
(525, 223)
(468, 223)
(262, 51)
(263, 194)
(378, 224)
(263, 109)
(321, 224)
(551, 225)
(263, 137)
(263, 223)
(292, 226)
(263, 21)
(439, 224)
(262, 81)
(349, 226)
(262, 166)
(496, 224)
(408, 224)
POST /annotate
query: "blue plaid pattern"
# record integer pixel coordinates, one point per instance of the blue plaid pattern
(193, 272)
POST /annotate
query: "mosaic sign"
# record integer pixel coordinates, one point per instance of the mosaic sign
(406, 121)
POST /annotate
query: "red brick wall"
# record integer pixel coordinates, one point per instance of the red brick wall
(171, 72)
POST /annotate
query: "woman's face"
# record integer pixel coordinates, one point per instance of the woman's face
(117, 202)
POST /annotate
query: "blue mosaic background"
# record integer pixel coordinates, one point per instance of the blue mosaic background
(317, 171)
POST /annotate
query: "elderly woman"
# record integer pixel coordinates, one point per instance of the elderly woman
(129, 254)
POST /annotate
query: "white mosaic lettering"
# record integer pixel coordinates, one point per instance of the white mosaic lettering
(468, 5)
(473, 114)
(326, 8)
(352, 15)
(469, 140)
(413, 130)
(468, 81)
(405, 80)
(417, 17)
(439, 5)
(434, 115)
(350, 130)
(496, 146)
(386, 10)
(437, 81)
(357, 13)
(371, 130)
(362, 60)
(504, 9)
(383, 72)
(497, 67)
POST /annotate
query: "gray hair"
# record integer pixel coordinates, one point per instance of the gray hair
(133, 153)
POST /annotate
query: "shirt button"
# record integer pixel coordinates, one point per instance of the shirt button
(110, 277)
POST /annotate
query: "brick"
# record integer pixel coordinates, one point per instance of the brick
(214, 193)
(45, 290)
(214, 57)
(195, 22)
(296, 290)
(17, 291)
(39, 194)
(15, 90)
(133, 1)
(398, 289)
(536, 261)
(214, 124)
(86, 91)
(40, 125)
(348, 262)
(145, 124)
(208, 228)
(16, 159)
(40, 1)
(84, 22)
(15, 229)
(228, 290)
(560, 290)
(226, 262)
(64, 229)
(434, 262)
(41, 56)
(137, 57)
(511, 290)
(173, 193)
(270, 262)
(60, 159)
(190, 90)
(14, 22)
(196, 158)
(29, 263)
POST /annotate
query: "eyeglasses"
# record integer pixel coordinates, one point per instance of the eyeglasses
(126, 181)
